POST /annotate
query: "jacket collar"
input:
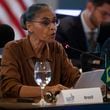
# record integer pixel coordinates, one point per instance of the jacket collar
(29, 52)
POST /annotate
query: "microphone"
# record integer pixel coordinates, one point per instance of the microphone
(83, 52)
(6, 34)
(67, 47)
(88, 60)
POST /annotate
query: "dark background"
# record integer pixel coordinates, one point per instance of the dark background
(71, 4)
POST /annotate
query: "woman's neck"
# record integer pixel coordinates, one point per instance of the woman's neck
(37, 45)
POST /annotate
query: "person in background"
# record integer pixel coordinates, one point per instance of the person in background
(6, 34)
(105, 52)
(76, 33)
(17, 66)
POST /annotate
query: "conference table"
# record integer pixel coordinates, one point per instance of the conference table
(28, 104)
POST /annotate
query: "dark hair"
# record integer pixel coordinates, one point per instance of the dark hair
(30, 13)
(6, 34)
(99, 2)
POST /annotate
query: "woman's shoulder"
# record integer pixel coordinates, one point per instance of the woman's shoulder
(14, 43)
(56, 46)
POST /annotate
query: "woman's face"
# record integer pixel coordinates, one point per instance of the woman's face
(43, 27)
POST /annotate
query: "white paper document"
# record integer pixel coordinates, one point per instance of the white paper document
(90, 79)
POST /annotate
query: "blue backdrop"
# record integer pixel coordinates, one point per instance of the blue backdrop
(72, 4)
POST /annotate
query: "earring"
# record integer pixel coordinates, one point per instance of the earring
(30, 32)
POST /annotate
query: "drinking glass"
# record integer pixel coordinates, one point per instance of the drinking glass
(42, 76)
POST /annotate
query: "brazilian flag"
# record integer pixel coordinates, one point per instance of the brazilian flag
(106, 76)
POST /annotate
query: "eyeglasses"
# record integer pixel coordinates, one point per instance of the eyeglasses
(47, 22)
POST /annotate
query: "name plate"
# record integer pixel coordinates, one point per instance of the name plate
(80, 96)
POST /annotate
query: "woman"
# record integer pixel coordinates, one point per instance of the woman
(19, 56)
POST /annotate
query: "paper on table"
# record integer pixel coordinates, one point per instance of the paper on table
(90, 79)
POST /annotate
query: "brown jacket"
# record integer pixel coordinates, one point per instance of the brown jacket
(17, 66)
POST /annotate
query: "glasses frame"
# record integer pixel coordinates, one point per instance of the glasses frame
(47, 22)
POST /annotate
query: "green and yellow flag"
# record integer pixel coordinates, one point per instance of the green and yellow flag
(106, 76)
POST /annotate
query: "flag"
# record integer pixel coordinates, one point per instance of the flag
(10, 12)
(106, 76)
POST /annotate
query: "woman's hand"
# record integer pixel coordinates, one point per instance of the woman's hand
(55, 89)
(52, 91)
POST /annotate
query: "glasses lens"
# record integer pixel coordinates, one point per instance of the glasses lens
(57, 22)
(48, 22)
